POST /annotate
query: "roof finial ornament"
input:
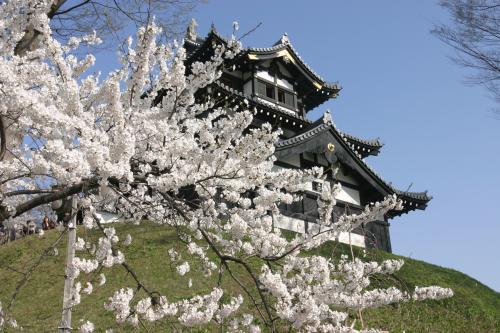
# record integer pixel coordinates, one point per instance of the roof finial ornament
(327, 118)
(284, 39)
(191, 33)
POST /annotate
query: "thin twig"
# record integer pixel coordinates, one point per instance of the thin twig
(250, 31)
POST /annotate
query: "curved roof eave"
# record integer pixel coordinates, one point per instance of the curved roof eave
(374, 144)
(286, 49)
(422, 197)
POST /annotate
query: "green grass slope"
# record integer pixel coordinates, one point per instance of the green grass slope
(37, 305)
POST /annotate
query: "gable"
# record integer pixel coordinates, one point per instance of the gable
(318, 143)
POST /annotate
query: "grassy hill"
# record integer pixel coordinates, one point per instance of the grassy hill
(37, 307)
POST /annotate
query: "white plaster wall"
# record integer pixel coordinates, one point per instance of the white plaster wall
(349, 195)
(265, 75)
(297, 225)
(281, 82)
(290, 223)
(284, 83)
(355, 239)
(308, 186)
(344, 237)
(345, 194)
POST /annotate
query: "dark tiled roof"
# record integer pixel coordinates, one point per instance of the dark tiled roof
(308, 134)
(414, 195)
(411, 200)
(360, 146)
(281, 45)
(364, 147)
(269, 50)
(375, 143)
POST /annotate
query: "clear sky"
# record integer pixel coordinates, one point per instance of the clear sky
(398, 84)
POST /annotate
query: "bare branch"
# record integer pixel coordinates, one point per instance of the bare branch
(474, 34)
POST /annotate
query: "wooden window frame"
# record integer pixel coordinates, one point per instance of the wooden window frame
(277, 89)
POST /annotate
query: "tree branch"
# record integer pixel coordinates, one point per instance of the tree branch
(71, 8)
(3, 142)
(21, 192)
(48, 198)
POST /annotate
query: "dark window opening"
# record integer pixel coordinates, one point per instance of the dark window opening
(269, 91)
(284, 97)
(281, 96)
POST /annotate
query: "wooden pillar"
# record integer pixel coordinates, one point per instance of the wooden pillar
(65, 324)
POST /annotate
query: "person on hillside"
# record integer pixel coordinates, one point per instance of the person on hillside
(47, 223)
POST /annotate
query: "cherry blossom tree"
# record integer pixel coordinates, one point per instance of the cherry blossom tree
(145, 141)
(70, 18)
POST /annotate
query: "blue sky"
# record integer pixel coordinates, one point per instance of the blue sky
(400, 85)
